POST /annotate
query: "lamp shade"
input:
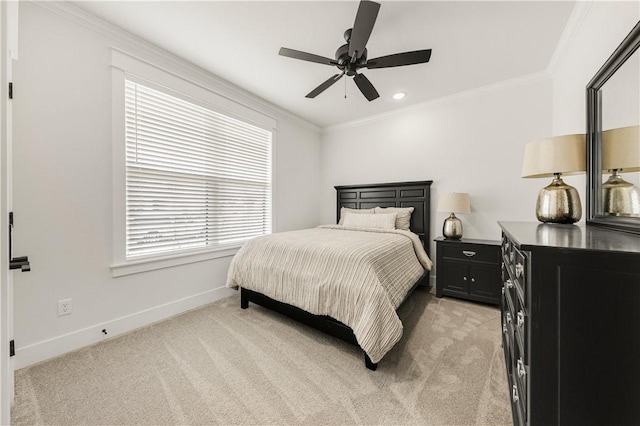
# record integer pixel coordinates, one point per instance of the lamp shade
(561, 154)
(621, 149)
(455, 202)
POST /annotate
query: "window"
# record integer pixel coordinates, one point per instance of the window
(195, 178)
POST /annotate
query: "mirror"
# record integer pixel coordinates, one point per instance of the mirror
(613, 140)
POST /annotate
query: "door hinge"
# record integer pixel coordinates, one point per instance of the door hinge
(12, 348)
(10, 90)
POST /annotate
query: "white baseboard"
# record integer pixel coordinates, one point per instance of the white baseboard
(40, 351)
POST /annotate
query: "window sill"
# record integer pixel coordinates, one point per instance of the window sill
(151, 264)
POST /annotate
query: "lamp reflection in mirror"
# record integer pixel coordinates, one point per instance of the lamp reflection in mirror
(620, 154)
(456, 202)
(557, 202)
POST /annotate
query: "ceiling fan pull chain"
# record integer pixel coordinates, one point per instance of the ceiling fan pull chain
(345, 88)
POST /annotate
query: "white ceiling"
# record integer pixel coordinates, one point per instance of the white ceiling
(475, 43)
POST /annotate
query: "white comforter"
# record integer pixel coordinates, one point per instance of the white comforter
(357, 276)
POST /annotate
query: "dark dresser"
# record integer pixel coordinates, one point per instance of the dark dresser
(571, 324)
(468, 269)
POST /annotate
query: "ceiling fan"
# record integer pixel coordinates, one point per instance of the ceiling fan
(352, 56)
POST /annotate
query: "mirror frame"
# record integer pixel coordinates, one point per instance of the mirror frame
(628, 47)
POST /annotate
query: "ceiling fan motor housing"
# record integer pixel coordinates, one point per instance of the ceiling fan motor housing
(344, 60)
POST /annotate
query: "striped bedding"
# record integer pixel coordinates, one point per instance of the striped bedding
(357, 276)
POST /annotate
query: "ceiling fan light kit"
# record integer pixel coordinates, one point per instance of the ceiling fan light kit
(352, 56)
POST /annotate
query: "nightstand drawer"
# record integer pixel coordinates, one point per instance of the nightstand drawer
(475, 252)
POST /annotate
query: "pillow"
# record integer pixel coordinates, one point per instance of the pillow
(344, 210)
(403, 219)
(380, 221)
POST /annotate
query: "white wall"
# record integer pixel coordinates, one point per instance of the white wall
(62, 187)
(599, 29)
(469, 143)
(298, 177)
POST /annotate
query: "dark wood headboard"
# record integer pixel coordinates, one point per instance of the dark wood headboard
(400, 194)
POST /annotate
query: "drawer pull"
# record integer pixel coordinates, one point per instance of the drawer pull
(514, 394)
(468, 253)
(464, 278)
(519, 270)
(520, 367)
(509, 284)
(473, 280)
(520, 318)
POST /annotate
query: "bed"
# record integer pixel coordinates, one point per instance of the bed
(367, 300)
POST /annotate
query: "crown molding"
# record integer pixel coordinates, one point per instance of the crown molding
(173, 62)
(456, 97)
(574, 23)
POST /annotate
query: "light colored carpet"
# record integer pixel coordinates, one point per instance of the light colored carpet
(223, 365)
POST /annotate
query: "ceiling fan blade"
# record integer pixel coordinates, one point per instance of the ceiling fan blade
(362, 27)
(366, 87)
(400, 59)
(324, 86)
(297, 54)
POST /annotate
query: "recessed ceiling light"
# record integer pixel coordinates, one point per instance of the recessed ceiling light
(399, 95)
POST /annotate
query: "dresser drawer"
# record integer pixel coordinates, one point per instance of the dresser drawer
(519, 272)
(507, 334)
(507, 251)
(520, 331)
(515, 268)
(519, 375)
(475, 252)
(510, 296)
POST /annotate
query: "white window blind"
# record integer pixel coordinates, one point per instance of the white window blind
(194, 178)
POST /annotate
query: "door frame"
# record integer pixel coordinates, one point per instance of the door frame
(8, 53)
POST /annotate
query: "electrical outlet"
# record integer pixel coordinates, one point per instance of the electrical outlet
(64, 307)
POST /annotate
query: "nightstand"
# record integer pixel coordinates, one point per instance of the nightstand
(468, 269)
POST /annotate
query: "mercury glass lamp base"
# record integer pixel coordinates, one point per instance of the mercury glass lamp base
(452, 228)
(558, 203)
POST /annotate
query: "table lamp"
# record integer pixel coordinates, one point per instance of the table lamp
(456, 202)
(557, 202)
(620, 154)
